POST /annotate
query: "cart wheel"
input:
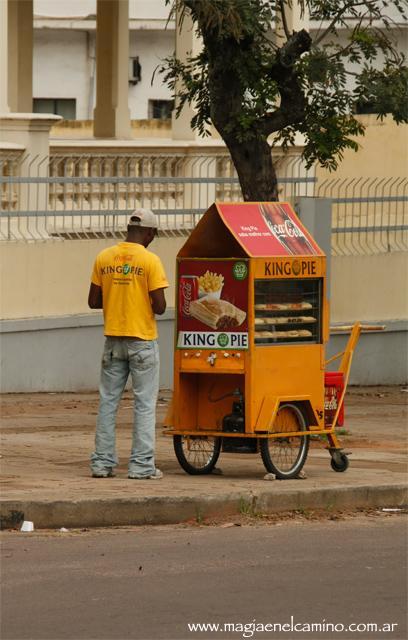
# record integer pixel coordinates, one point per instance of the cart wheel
(197, 455)
(286, 456)
(341, 463)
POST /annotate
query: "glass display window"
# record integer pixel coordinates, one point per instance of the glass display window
(288, 311)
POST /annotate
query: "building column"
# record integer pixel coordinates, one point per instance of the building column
(31, 133)
(4, 106)
(187, 45)
(20, 55)
(296, 20)
(111, 113)
(316, 215)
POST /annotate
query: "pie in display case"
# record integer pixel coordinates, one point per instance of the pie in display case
(288, 311)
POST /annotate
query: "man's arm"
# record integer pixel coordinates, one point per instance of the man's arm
(158, 301)
(95, 297)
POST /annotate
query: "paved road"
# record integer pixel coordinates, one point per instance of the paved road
(149, 583)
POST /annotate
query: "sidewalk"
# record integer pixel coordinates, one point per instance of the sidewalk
(47, 438)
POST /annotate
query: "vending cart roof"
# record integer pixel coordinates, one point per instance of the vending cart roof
(255, 229)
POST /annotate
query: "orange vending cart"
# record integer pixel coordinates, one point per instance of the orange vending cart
(252, 321)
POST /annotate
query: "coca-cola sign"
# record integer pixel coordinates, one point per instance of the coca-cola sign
(268, 229)
(287, 230)
(188, 291)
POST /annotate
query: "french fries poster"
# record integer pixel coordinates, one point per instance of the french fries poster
(212, 304)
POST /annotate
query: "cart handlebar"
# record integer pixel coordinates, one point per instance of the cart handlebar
(347, 328)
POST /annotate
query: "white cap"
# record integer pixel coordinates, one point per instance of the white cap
(143, 218)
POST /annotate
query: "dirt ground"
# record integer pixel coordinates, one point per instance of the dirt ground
(47, 439)
(376, 417)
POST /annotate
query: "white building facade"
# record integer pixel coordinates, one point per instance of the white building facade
(64, 65)
(64, 57)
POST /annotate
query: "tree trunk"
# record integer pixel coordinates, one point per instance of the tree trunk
(256, 173)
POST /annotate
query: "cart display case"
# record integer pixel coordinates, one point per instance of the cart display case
(288, 311)
(251, 325)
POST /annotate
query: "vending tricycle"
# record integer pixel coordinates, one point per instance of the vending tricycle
(251, 327)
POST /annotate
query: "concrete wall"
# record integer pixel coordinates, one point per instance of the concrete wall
(61, 68)
(64, 67)
(64, 354)
(82, 8)
(51, 342)
(369, 288)
(83, 129)
(73, 8)
(50, 278)
(383, 152)
(151, 47)
(380, 358)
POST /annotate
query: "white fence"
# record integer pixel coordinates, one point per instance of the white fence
(369, 215)
(91, 195)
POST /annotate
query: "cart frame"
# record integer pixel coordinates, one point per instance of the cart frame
(264, 262)
(339, 458)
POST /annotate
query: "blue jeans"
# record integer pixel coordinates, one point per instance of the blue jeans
(140, 358)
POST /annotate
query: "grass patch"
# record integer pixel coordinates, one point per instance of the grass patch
(343, 432)
(248, 509)
(199, 516)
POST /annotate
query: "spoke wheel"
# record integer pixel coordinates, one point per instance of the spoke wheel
(197, 455)
(286, 456)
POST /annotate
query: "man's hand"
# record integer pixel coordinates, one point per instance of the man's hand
(95, 297)
(158, 301)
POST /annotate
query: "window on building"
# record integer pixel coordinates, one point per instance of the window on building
(135, 71)
(64, 107)
(365, 107)
(160, 109)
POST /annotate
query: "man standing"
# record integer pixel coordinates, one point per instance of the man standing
(128, 283)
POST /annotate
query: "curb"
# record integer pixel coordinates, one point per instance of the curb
(170, 510)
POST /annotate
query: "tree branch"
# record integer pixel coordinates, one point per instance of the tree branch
(276, 121)
(284, 21)
(335, 20)
(351, 44)
(298, 43)
(293, 101)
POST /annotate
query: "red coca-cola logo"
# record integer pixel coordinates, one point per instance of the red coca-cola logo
(330, 399)
(287, 230)
(187, 295)
(188, 291)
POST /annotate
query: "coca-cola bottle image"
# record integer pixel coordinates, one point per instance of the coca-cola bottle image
(188, 292)
(285, 230)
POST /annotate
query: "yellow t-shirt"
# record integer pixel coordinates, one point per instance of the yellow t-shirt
(127, 273)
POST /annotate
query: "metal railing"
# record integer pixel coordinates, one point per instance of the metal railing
(369, 215)
(91, 195)
(83, 196)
